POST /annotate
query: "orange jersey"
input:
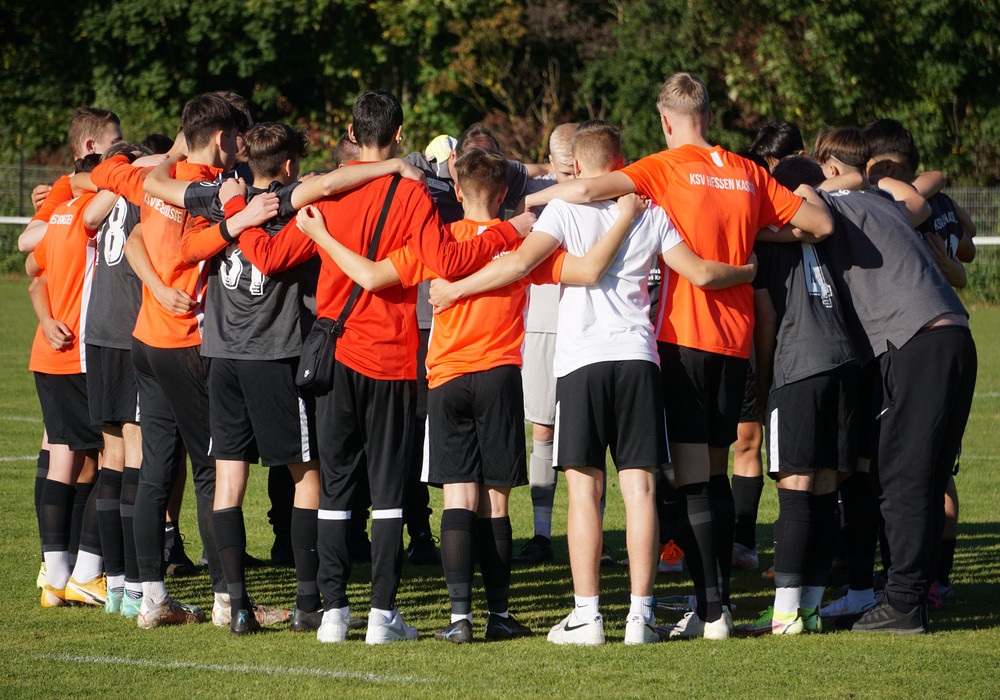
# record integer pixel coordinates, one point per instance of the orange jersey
(163, 227)
(60, 193)
(66, 256)
(479, 332)
(718, 201)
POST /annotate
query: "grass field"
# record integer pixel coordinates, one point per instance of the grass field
(84, 652)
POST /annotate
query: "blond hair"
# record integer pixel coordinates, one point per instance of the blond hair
(683, 93)
(561, 144)
(598, 145)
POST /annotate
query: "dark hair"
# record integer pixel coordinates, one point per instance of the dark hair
(89, 123)
(206, 114)
(754, 158)
(846, 144)
(888, 136)
(157, 143)
(476, 136)
(87, 163)
(377, 116)
(270, 144)
(793, 171)
(482, 172)
(124, 148)
(345, 151)
(235, 99)
(777, 140)
(598, 144)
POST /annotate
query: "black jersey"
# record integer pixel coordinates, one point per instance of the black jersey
(248, 316)
(116, 291)
(812, 337)
(944, 222)
(889, 283)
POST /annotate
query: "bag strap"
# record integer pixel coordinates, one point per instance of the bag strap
(338, 327)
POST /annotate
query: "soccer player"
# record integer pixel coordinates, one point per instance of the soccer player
(718, 201)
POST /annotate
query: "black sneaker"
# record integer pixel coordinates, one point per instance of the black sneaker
(606, 558)
(175, 560)
(459, 632)
(244, 623)
(500, 628)
(885, 618)
(421, 551)
(303, 621)
(536, 550)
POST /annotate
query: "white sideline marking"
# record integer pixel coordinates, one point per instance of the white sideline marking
(18, 459)
(237, 668)
(987, 394)
(22, 419)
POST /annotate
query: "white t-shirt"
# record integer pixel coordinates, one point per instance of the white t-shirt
(608, 321)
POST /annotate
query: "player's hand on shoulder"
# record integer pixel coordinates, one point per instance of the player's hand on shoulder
(39, 194)
(232, 187)
(631, 205)
(260, 209)
(524, 222)
(310, 221)
(149, 161)
(412, 173)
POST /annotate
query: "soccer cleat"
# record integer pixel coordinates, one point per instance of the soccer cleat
(939, 594)
(767, 574)
(40, 580)
(744, 557)
(222, 613)
(382, 631)
(421, 551)
(811, 620)
(333, 627)
(638, 631)
(458, 632)
(171, 612)
(500, 628)
(53, 597)
(535, 551)
(130, 606)
(113, 603)
(606, 558)
(885, 618)
(303, 621)
(693, 627)
(570, 630)
(175, 561)
(767, 623)
(244, 623)
(683, 603)
(91, 593)
(671, 559)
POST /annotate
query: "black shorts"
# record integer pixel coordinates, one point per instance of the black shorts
(610, 404)
(111, 389)
(256, 412)
(812, 424)
(703, 394)
(63, 398)
(475, 425)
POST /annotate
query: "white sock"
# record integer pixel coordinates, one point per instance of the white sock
(786, 600)
(543, 520)
(860, 599)
(155, 593)
(222, 600)
(455, 617)
(116, 584)
(133, 589)
(505, 614)
(89, 566)
(642, 605)
(386, 614)
(57, 569)
(812, 597)
(585, 607)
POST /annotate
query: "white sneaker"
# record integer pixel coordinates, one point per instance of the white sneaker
(638, 631)
(381, 630)
(843, 606)
(222, 613)
(571, 631)
(333, 628)
(727, 615)
(744, 557)
(693, 627)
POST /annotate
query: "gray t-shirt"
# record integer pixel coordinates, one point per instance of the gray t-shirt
(116, 291)
(812, 337)
(249, 316)
(889, 283)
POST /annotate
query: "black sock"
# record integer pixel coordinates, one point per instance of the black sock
(746, 499)
(387, 560)
(130, 483)
(55, 508)
(281, 493)
(860, 512)
(696, 529)
(945, 561)
(304, 527)
(667, 511)
(109, 520)
(458, 541)
(83, 490)
(791, 537)
(41, 473)
(822, 540)
(231, 542)
(90, 527)
(724, 514)
(496, 542)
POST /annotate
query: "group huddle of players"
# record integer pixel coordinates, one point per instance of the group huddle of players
(174, 292)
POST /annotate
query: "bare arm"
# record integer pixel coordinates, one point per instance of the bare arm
(99, 208)
(39, 194)
(914, 207)
(174, 300)
(349, 177)
(953, 270)
(57, 334)
(159, 183)
(929, 183)
(594, 264)
(537, 169)
(371, 275)
(709, 274)
(31, 235)
(31, 266)
(812, 218)
(82, 181)
(846, 181)
(582, 190)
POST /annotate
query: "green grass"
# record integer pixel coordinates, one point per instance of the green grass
(83, 652)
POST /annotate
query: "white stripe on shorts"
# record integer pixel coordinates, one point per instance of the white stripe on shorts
(333, 514)
(387, 513)
(773, 464)
(555, 439)
(304, 431)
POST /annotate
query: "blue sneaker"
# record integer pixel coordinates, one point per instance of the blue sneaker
(113, 603)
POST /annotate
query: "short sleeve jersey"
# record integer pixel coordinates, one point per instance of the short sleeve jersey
(889, 283)
(943, 222)
(718, 201)
(812, 337)
(66, 256)
(60, 193)
(117, 291)
(248, 315)
(608, 321)
(479, 332)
